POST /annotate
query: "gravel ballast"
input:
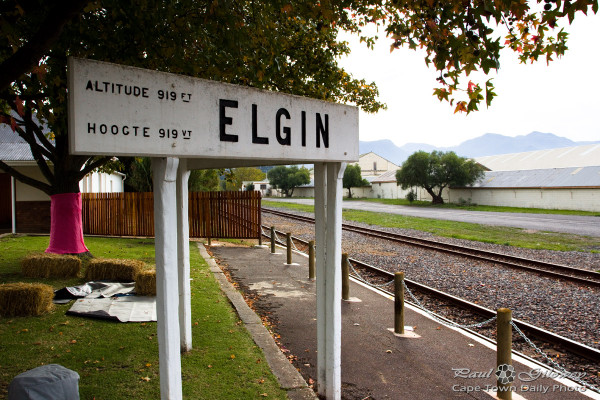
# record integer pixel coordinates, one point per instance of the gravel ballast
(565, 308)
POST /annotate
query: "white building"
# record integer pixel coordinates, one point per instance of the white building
(573, 188)
(385, 187)
(565, 178)
(372, 164)
(264, 187)
(25, 207)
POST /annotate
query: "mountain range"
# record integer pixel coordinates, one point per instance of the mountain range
(488, 144)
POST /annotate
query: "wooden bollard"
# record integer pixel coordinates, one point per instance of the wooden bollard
(345, 277)
(504, 349)
(273, 240)
(311, 259)
(399, 303)
(288, 237)
(260, 236)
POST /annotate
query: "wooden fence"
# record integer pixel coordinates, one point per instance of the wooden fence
(233, 215)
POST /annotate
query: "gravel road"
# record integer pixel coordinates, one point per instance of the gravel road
(575, 224)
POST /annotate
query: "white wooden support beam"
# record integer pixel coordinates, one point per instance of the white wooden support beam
(167, 297)
(183, 257)
(328, 214)
(13, 202)
(333, 281)
(320, 263)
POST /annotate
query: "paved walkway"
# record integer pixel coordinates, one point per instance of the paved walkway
(375, 363)
(576, 224)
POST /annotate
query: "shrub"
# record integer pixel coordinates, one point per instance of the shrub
(411, 196)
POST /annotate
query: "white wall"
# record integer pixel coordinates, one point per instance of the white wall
(360, 192)
(304, 192)
(29, 193)
(101, 183)
(367, 162)
(388, 190)
(91, 183)
(566, 199)
(424, 196)
(259, 186)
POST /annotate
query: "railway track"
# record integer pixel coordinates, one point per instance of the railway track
(544, 335)
(557, 271)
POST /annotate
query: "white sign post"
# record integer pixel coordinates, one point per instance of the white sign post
(186, 123)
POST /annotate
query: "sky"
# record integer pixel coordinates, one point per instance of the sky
(562, 98)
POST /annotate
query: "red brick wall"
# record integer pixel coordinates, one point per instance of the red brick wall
(33, 216)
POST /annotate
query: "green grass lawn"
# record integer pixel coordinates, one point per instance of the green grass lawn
(120, 360)
(463, 230)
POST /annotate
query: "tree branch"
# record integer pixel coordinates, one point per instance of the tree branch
(96, 164)
(27, 97)
(37, 150)
(39, 133)
(44, 187)
(29, 55)
(46, 148)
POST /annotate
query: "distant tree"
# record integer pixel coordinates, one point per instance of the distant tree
(352, 178)
(239, 175)
(436, 171)
(282, 46)
(264, 44)
(139, 177)
(204, 180)
(288, 178)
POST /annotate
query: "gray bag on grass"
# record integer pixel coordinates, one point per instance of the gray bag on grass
(48, 382)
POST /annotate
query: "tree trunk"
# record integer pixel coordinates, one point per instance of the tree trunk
(66, 229)
(436, 198)
(349, 193)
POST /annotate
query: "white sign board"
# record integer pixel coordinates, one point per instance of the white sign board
(119, 110)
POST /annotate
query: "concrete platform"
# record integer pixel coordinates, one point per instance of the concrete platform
(441, 363)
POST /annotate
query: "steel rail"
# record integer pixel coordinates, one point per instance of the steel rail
(562, 272)
(585, 351)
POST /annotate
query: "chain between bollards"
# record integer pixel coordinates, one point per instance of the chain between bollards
(504, 350)
(311, 259)
(273, 240)
(399, 303)
(288, 237)
(345, 277)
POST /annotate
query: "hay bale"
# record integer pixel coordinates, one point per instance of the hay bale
(145, 283)
(113, 269)
(48, 265)
(25, 299)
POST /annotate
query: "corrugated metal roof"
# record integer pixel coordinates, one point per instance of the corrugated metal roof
(389, 176)
(8, 136)
(553, 177)
(13, 147)
(15, 152)
(576, 156)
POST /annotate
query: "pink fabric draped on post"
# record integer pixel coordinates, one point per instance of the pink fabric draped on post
(66, 229)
